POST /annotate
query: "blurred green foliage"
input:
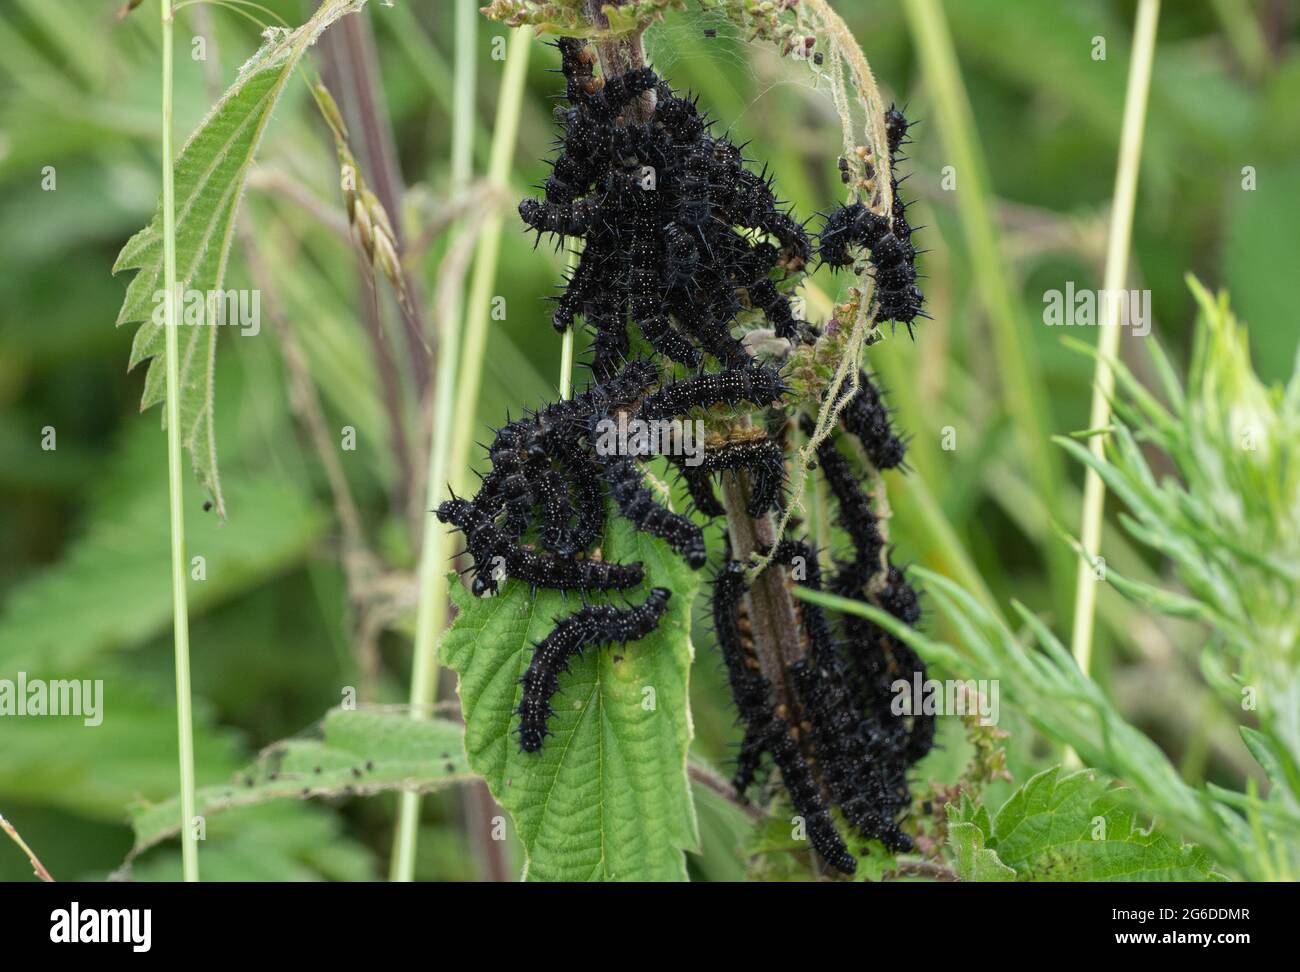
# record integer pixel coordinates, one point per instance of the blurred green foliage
(83, 576)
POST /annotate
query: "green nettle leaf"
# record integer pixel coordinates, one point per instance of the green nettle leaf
(283, 841)
(607, 797)
(969, 828)
(1068, 828)
(975, 862)
(117, 572)
(93, 771)
(356, 752)
(210, 174)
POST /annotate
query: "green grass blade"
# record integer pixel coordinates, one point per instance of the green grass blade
(176, 501)
(1117, 260)
(1023, 391)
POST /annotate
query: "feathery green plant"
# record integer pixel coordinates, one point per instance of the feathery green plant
(1229, 523)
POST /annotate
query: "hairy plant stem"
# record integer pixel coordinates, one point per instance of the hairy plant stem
(845, 51)
(620, 54)
(1117, 259)
(772, 618)
(176, 500)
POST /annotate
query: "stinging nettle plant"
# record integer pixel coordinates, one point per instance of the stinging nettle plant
(684, 263)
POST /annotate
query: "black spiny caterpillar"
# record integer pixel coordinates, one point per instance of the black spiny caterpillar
(595, 625)
(495, 555)
(766, 731)
(861, 752)
(888, 241)
(758, 385)
(867, 418)
(762, 458)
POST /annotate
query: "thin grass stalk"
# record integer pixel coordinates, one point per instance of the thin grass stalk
(487, 251)
(431, 612)
(180, 605)
(1244, 32)
(38, 868)
(1024, 395)
(566, 342)
(1117, 259)
(566, 364)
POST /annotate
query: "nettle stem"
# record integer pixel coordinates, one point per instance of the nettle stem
(772, 615)
(620, 54)
(774, 625)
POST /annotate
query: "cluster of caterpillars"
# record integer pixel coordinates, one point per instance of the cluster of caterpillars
(539, 513)
(836, 738)
(677, 234)
(679, 239)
